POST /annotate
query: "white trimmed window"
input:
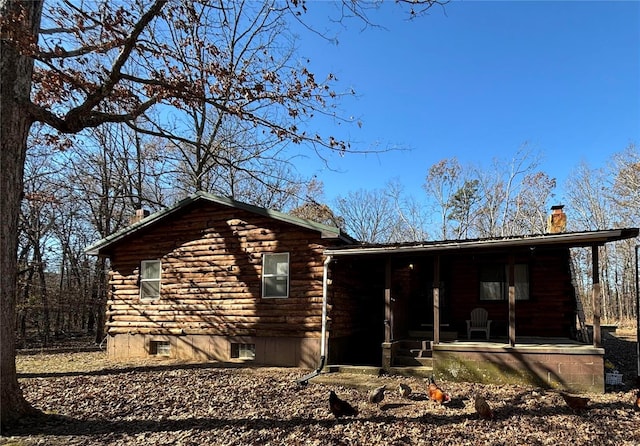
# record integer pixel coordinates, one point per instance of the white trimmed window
(150, 279)
(275, 275)
(494, 284)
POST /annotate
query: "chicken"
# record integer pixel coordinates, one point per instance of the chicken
(576, 403)
(340, 408)
(436, 393)
(377, 394)
(404, 390)
(636, 401)
(482, 408)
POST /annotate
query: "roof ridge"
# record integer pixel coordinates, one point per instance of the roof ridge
(326, 231)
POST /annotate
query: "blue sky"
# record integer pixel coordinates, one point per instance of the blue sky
(478, 80)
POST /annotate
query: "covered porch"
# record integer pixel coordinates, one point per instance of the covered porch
(426, 293)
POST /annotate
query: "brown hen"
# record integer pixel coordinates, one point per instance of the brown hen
(340, 408)
(482, 408)
(404, 390)
(436, 393)
(377, 395)
(576, 403)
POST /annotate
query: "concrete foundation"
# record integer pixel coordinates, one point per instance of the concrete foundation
(272, 351)
(577, 368)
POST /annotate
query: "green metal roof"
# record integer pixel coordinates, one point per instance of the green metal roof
(325, 230)
(565, 239)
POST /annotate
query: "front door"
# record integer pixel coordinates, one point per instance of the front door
(420, 288)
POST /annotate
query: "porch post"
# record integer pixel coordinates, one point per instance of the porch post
(512, 303)
(436, 299)
(638, 309)
(595, 271)
(388, 313)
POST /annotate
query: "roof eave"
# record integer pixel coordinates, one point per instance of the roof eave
(580, 239)
(96, 248)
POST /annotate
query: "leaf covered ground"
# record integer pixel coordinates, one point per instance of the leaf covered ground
(94, 402)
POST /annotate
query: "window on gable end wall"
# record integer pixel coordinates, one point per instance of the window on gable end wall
(275, 275)
(150, 272)
(494, 281)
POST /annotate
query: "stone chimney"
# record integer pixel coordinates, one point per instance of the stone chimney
(557, 221)
(138, 216)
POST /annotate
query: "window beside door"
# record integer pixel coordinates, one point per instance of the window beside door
(494, 282)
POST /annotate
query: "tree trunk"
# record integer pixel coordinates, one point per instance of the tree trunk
(100, 324)
(59, 319)
(15, 72)
(44, 297)
(101, 281)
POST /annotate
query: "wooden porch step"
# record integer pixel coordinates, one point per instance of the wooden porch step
(420, 371)
(414, 344)
(416, 361)
(428, 334)
(413, 352)
(354, 369)
(420, 353)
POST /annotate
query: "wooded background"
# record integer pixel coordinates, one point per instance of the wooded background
(88, 191)
(167, 99)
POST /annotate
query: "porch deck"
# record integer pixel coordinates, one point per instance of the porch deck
(541, 361)
(529, 342)
(547, 362)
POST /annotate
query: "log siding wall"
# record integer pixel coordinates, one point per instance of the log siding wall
(550, 310)
(211, 286)
(211, 279)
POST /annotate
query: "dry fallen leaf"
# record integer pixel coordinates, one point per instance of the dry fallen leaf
(186, 404)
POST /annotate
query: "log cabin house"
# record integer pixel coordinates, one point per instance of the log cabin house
(211, 278)
(214, 279)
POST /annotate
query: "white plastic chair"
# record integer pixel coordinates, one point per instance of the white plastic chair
(479, 322)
